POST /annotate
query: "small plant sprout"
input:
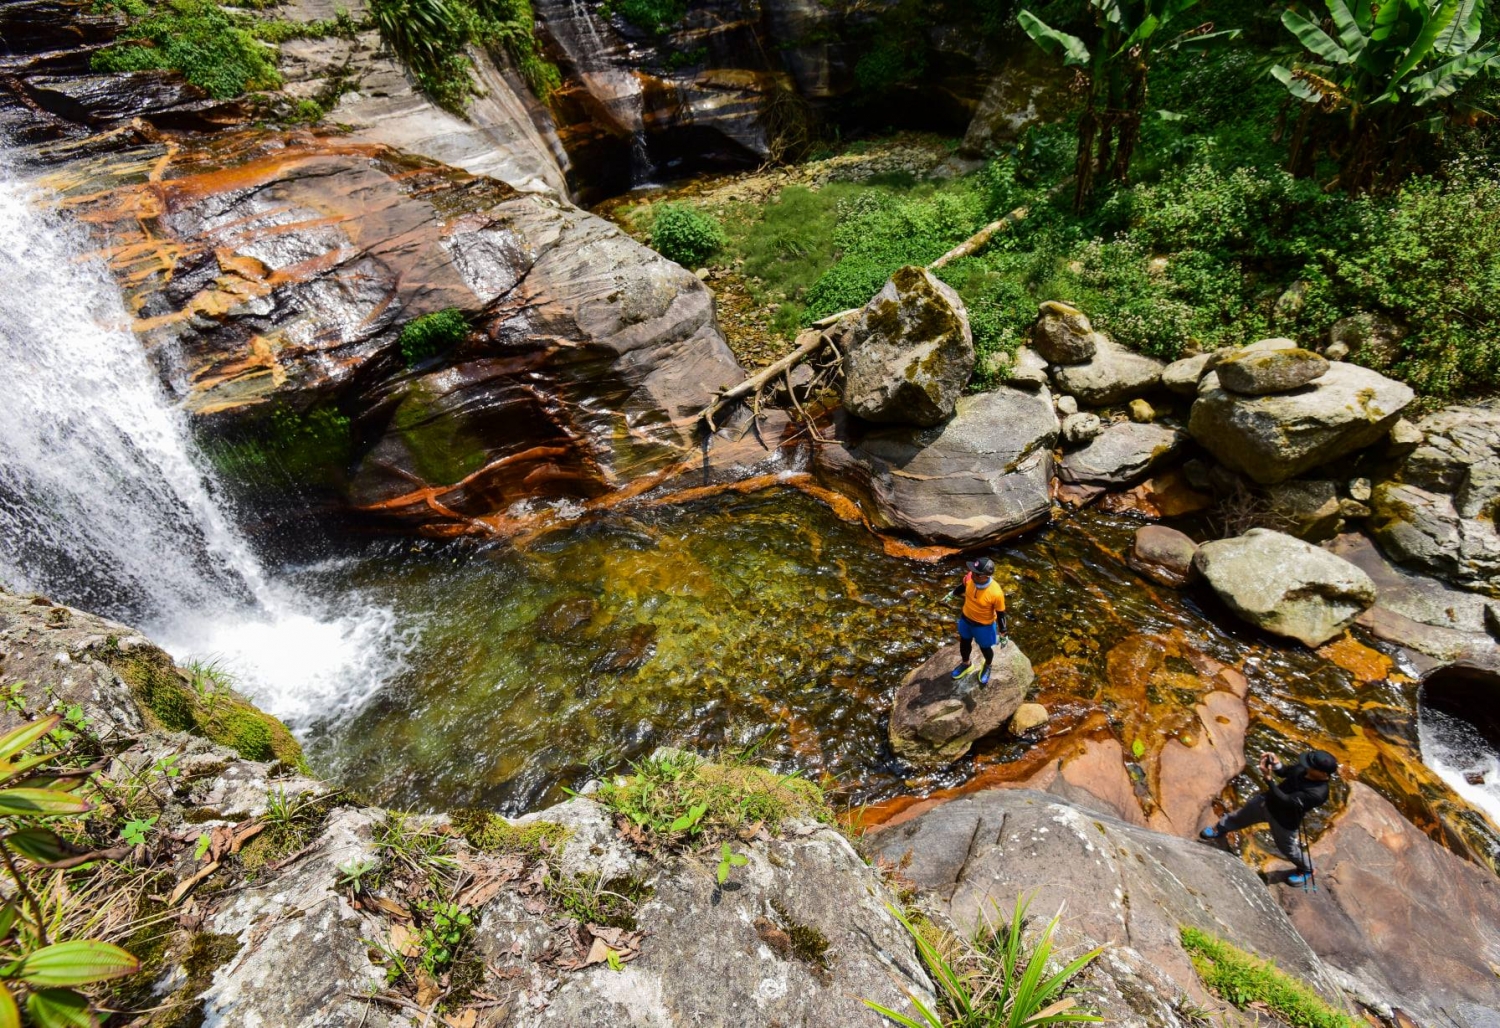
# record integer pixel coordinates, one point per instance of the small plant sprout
(612, 957)
(352, 875)
(201, 848)
(689, 822)
(167, 767)
(444, 932)
(136, 831)
(729, 859)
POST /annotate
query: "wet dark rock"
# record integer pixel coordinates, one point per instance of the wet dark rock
(1120, 885)
(1276, 437)
(566, 616)
(1307, 508)
(1064, 335)
(1285, 585)
(981, 477)
(1407, 922)
(909, 353)
(1163, 555)
(935, 718)
(629, 652)
(1123, 454)
(1113, 374)
(160, 96)
(277, 270)
(1261, 372)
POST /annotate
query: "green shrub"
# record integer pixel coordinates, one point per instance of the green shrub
(685, 235)
(1243, 979)
(425, 337)
(212, 48)
(655, 16)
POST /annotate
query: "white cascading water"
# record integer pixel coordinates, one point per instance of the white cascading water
(1458, 753)
(104, 507)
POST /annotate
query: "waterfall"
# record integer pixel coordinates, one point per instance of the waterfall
(575, 26)
(105, 505)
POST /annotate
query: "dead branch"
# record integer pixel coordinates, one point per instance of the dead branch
(807, 343)
(979, 240)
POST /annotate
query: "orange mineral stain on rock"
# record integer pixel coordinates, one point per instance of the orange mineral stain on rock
(1365, 664)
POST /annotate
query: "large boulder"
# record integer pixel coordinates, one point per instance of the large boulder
(1261, 372)
(1407, 923)
(935, 718)
(1285, 585)
(1111, 375)
(1120, 886)
(1279, 436)
(272, 275)
(1124, 453)
(1438, 512)
(1063, 334)
(909, 353)
(981, 477)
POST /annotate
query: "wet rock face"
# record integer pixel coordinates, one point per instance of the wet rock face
(1438, 512)
(982, 476)
(1413, 925)
(935, 718)
(909, 353)
(1285, 585)
(1124, 886)
(277, 271)
(1163, 555)
(1275, 437)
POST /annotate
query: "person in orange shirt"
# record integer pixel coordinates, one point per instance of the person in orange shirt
(983, 617)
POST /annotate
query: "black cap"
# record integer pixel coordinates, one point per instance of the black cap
(982, 566)
(1322, 760)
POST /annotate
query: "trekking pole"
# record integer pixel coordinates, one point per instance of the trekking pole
(1309, 883)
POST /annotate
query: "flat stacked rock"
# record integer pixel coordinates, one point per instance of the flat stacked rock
(1262, 372)
(1112, 375)
(1123, 454)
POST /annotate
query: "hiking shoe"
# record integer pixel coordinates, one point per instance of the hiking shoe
(1297, 878)
(958, 672)
(1210, 833)
(984, 676)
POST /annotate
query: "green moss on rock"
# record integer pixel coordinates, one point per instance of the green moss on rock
(167, 698)
(489, 831)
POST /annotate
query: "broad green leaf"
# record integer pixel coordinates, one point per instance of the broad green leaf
(693, 816)
(1314, 38)
(1145, 30)
(14, 742)
(1462, 32)
(60, 1008)
(1192, 44)
(30, 802)
(1053, 41)
(10, 1016)
(1350, 34)
(1436, 22)
(1446, 79)
(76, 963)
(38, 845)
(9, 913)
(1387, 14)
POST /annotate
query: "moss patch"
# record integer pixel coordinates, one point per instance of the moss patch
(490, 832)
(1243, 979)
(167, 697)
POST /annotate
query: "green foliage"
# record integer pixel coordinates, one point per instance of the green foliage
(662, 797)
(1243, 979)
(292, 821)
(212, 48)
(1392, 74)
(34, 965)
(592, 900)
(683, 234)
(997, 981)
(488, 831)
(432, 334)
(355, 875)
(445, 929)
(655, 16)
(284, 447)
(430, 37)
(135, 832)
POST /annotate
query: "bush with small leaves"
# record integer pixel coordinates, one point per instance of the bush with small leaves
(685, 235)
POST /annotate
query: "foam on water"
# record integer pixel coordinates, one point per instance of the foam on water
(1457, 752)
(105, 504)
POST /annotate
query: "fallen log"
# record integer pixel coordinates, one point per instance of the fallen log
(809, 341)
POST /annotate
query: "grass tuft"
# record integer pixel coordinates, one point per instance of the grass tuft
(490, 832)
(1243, 979)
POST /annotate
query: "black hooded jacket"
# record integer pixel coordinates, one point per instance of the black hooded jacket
(1289, 800)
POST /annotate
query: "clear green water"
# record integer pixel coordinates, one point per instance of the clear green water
(736, 620)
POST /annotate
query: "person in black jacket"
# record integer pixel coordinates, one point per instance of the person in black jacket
(1294, 790)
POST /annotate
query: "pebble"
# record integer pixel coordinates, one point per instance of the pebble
(1067, 405)
(1141, 412)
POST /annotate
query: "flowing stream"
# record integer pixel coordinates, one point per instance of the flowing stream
(104, 506)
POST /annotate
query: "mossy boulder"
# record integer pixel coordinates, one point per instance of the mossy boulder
(1260, 372)
(177, 700)
(909, 353)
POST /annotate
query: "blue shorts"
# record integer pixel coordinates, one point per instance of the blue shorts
(984, 635)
